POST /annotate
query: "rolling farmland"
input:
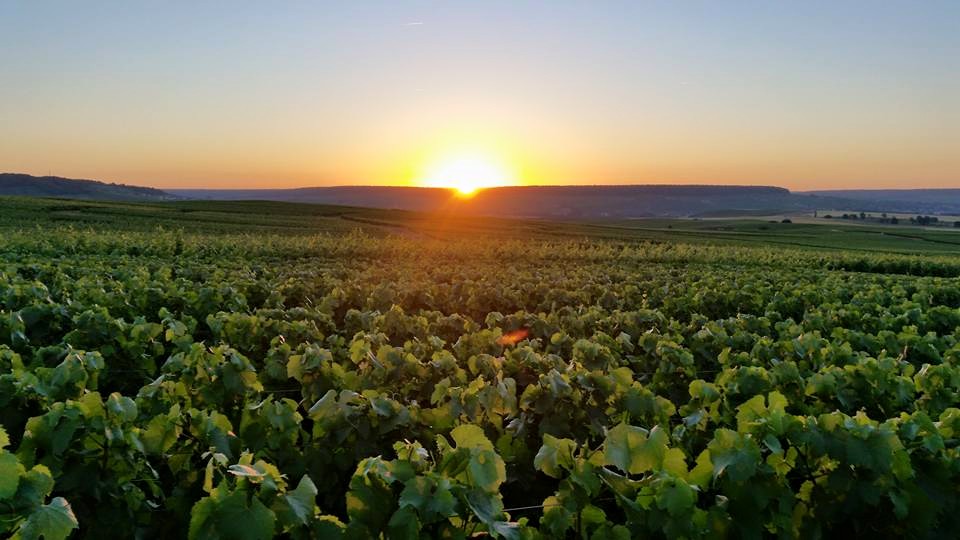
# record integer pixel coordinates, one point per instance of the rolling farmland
(252, 370)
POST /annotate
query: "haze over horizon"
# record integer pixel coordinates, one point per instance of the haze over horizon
(804, 96)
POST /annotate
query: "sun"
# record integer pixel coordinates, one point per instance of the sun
(467, 172)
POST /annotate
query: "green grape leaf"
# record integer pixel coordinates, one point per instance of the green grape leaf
(611, 532)
(302, 500)
(592, 515)
(556, 519)
(634, 450)
(759, 412)
(505, 529)
(161, 434)
(443, 503)
(121, 407)
(53, 521)
(370, 501)
(35, 485)
(416, 492)
(470, 436)
(227, 515)
(733, 454)
(10, 471)
(555, 456)
(245, 471)
(675, 462)
(404, 524)
(676, 497)
(324, 407)
(488, 507)
(328, 528)
(584, 474)
(702, 472)
(487, 470)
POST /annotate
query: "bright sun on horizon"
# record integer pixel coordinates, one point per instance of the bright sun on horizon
(467, 172)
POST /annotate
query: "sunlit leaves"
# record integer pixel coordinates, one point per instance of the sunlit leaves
(556, 518)
(865, 443)
(555, 456)
(633, 449)
(162, 431)
(758, 415)
(702, 473)
(485, 467)
(370, 501)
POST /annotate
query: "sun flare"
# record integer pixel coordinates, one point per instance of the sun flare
(467, 172)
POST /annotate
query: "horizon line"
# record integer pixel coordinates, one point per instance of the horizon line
(537, 185)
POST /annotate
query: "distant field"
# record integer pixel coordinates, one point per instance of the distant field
(948, 218)
(828, 234)
(238, 217)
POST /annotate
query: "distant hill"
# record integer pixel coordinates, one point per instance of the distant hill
(557, 202)
(568, 202)
(54, 186)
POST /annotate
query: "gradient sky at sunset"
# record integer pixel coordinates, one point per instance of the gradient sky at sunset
(805, 95)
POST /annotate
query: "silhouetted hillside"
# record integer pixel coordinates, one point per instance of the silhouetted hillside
(54, 186)
(547, 201)
(563, 202)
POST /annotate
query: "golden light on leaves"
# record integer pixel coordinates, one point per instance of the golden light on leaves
(513, 337)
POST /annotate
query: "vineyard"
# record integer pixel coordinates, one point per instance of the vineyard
(220, 382)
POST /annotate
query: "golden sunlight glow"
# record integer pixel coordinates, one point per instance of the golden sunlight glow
(466, 172)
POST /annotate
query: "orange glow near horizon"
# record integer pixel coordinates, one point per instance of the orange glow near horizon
(466, 172)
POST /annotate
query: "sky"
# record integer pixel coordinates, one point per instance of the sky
(804, 95)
